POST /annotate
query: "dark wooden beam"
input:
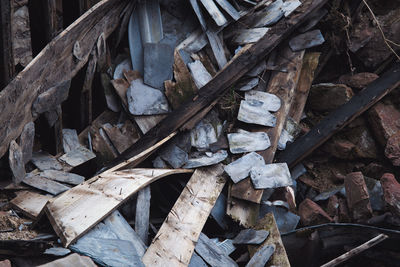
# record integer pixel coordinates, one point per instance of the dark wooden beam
(341, 117)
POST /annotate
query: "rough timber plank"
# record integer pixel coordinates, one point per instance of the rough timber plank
(76, 211)
(31, 204)
(175, 241)
(233, 70)
(55, 63)
(341, 117)
(283, 85)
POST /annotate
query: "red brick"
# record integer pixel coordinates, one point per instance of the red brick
(312, 214)
(385, 121)
(391, 192)
(357, 196)
(392, 150)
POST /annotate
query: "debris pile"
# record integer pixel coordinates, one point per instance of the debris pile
(199, 133)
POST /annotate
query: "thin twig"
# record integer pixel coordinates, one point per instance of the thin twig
(355, 251)
(387, 41)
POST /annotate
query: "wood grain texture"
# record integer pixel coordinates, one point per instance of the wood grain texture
(31, 204)
(283, 85)
(236, 68)
(75, 212)
(53, 64)
(175, 241)
(341, 117)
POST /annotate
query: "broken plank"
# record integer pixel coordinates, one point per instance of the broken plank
(31, 204)
(279, 258)
(310, 63)
(142, 215)
(54, 62)
(93, 200)
(241, 63)
(341, 117)
(175, 241)
(44, 184)
(281, 84)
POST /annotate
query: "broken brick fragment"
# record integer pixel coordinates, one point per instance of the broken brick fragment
(392, 149)
(359, 80)
(344, 214)
(391, 192)
(311, 213)
(357, 196)
(385, 121)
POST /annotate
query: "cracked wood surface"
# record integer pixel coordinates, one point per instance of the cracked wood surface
(54, 64)
(76, 211)
(175, 241)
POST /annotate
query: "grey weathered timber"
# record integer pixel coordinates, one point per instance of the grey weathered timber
(142, 215)
(54, 64)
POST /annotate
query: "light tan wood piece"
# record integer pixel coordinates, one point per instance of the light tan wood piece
(60, 60)
(279, 258)
(76, 211)
(175, 241)
(31, 204)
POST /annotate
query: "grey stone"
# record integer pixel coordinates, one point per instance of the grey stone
(70, 140)
(375, 192)
(289, 6)
(285, 220)
(284, 138)
(206, 132)
(197, 261)
(212, 254)
(199, 73)
(248, 84)
(49, 99)
(326, 195)
(135, 42)
(159, 163)
(16, 161)
(174, 155)
(65, 177)
(218, 212)
(240, 168)
(254, 111)
(77, 156)
(306, 40)
(145, 100)
(244, 141)
(262, 256)
(258, 69)
(270, 101)
(251, 237)
(119, 69)
(206, 160)
(26, 141)
(57, 251)
(158, 61)
(227, 246)
(270, 15)
(247, 36)
(271, 176)
(45, 161)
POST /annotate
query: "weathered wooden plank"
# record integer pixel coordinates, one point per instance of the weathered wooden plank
(7, 54)
(279, 258)
(281, 84)
(31, 204)
(142, 215)
(75, 212)
(341, 117)
(236, 68)
(175, 241)
(310, 63)
(54, 63)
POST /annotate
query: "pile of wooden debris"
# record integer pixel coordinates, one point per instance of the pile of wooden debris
(252, 112)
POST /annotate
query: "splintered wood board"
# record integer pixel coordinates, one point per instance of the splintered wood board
(175, 241)
(54, 64)
(76, 211)
(31, 204)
